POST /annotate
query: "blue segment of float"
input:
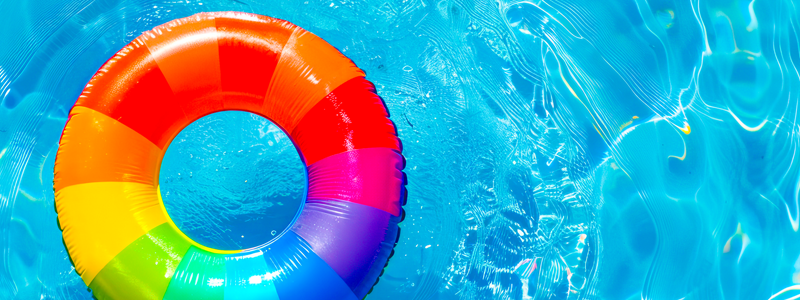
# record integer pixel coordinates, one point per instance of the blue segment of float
(301, 274)
(248, 277)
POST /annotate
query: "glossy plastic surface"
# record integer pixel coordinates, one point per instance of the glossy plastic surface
(117, 232)
(351, 117)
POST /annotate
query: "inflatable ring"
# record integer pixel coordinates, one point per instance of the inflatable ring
(115, 227)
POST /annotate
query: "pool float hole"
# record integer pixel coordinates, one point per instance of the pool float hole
(232, 180)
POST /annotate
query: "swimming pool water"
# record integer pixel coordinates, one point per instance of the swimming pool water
(232, 180)
(559, 149)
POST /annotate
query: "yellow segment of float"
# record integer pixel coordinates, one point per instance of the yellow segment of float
(86, 210)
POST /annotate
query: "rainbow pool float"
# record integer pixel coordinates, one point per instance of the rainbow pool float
(116, 229)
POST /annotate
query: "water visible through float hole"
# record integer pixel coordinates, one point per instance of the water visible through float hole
(232, 180)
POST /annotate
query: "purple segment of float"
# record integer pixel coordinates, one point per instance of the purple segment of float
(349, 237)
(386, 250)
(369, 176)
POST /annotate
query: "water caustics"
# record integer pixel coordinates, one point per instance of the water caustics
(564, 149)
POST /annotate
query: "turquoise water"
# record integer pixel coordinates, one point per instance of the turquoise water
(232, 180)
(564, 149)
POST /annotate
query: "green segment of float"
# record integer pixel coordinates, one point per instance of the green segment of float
(200, 276)
(142, 270)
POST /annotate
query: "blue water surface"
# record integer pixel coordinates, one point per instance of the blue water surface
(559, 149)
(232, 180)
